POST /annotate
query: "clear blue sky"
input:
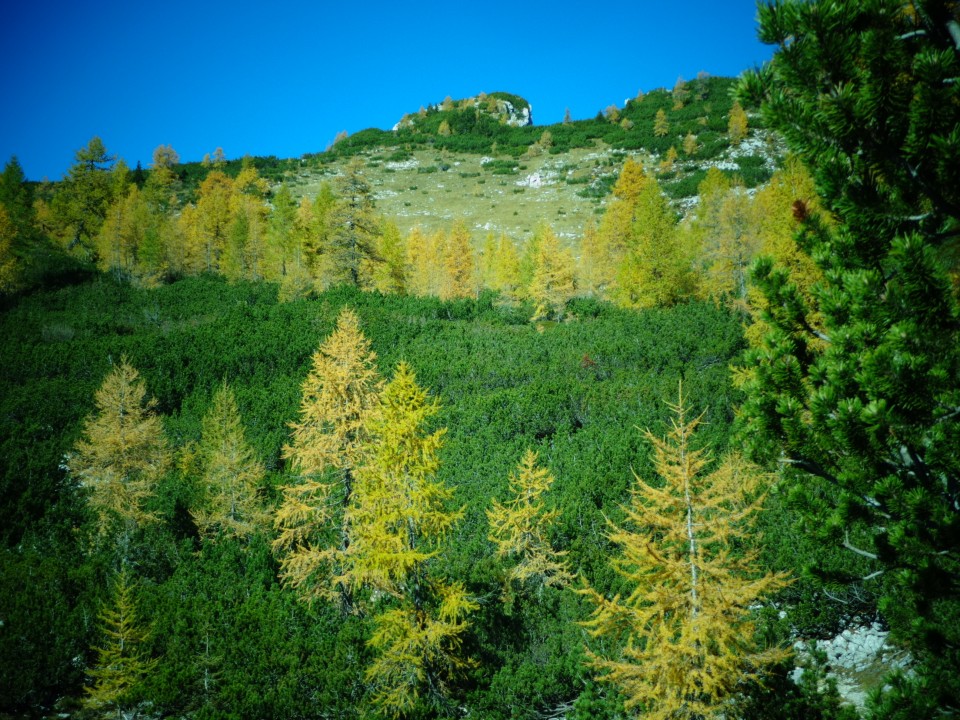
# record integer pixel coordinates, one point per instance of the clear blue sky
(283, 78)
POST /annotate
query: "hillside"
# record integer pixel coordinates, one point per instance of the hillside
(497, 175)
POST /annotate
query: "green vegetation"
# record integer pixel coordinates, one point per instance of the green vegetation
(314, 449)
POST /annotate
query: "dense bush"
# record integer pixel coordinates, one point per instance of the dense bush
(227, 638)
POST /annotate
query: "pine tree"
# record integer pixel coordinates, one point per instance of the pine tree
(693, 579)
(399, 520)
(81, 200)
(122, 663)
(228, 472)
(862, 409)
(122, 453)
(519, 528)
(339, 394)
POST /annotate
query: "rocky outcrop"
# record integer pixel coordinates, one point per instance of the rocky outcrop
(509, 109)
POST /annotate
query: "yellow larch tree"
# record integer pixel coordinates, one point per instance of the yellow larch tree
(187, 249)
(425, 253)
(459, 276)
(520, 527)
(339, 393)
(122, 662)
(10, 265)
(681, 93)
(685, 628)
(609, 246)
(737, 124)
(213, 217)
(553, 283)
(661, 126)
(399, 520)
(228, 473)
(501, 266)
(690, 144)
(390, 276)
(656, 270)
(122, 454)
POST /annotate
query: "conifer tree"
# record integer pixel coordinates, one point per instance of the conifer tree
(10, 266)
(213, 218)
(339, 394)
(390, 276)
(519, 528)
(81, 200)
(656, 270)
(863, 409)
(552, 284)
(352, 228)
(459, 266)
(661, 126)
(122, 663)
(122, 453)
(692, 579)
(737, 124)
(399, 521)
(608, 247)
(228, 472)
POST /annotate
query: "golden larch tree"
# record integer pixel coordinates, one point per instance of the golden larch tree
(688, 637)
(122, 453)
(737, 124)
(339, 393)
(228, 472)
(213, 217)
(553, 283)
(661, 126)
(609, 246)
(459, 277)
(690, 144)
(656, 270)
(520, 528)
(399, 520)
(122, 662)
(10, 265)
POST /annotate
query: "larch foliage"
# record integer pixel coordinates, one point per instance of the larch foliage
(399, 518)
(229, 473)
(688, 637)
(737, 124)
(520, 528)
(459, 277)
(122, 453)
(398, 511)
(553, 283)
(122, 662)
(656, 269)
(340, 392)
(661, 126)
(9, 262)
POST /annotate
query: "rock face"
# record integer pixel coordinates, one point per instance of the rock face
(509, 109)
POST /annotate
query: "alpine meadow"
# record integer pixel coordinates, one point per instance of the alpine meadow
(649, 415)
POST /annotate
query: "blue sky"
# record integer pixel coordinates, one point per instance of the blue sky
(283, 78)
